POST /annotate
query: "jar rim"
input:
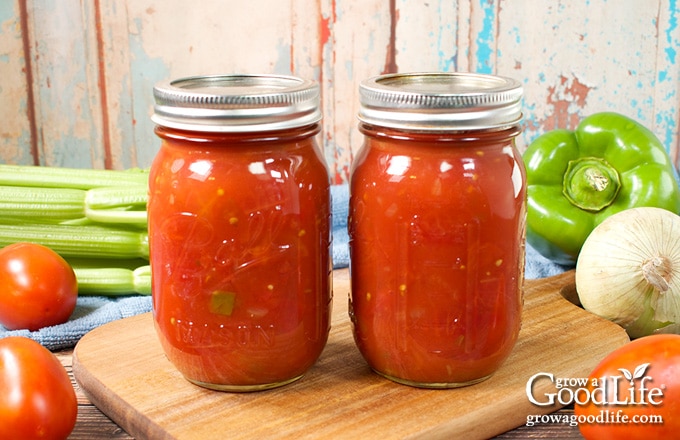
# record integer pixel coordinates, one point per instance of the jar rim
(440, 101)
(236, 103)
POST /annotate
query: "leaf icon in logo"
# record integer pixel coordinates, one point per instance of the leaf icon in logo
(627, 374)
(640, 371)
(637, 374)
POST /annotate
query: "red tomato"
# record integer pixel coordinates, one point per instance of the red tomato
(38, 288)
(37, 400)
(641, 389)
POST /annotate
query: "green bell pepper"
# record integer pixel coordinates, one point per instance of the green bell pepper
(576, 179)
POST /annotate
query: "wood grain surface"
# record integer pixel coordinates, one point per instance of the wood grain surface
(92, 424)
(122, 370)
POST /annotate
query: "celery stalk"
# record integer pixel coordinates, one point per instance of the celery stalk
(95, 217)
(90, 241)
(50, 205)
(113, 281)
(125, 205)
(57, 177)
(119, 204)
(128, 197)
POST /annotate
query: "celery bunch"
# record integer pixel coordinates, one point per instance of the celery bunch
(95, 219)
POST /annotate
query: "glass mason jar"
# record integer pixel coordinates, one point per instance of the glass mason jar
(437, 227)
(239, 230)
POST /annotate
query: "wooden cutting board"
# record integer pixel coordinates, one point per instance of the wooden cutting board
(122, 369)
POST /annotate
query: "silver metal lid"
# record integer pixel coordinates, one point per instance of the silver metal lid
(236, 103)
(440, 101)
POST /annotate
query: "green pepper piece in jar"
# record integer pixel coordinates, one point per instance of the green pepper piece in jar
(576, 179)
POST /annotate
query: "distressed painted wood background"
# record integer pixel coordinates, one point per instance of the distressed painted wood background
(76, 76)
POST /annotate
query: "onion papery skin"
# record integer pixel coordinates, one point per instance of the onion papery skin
(628, 271)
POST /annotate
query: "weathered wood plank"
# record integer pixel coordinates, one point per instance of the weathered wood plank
(358, 48)
(576, 60)
(218, 37)
(427, 36)
(665, 101)
(16, 103)
(65, 83)
(118, 118)
(78, 74)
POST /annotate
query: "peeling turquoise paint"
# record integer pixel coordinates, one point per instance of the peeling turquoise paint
(517, 33)
(530, 121)
(7, 11)
(671, 54)
(672, 42)
(485, 38)
(672, 26)
(666, 120)
(446, 62)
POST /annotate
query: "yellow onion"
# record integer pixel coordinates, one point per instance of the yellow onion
(628, 271)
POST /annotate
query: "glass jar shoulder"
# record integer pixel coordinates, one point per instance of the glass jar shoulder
(389, 161)
(276, 156)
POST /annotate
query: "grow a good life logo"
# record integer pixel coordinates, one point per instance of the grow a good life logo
(630, 388)
(614, 394)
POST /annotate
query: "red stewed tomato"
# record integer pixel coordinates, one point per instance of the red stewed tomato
(38, 288)
(37, 400)
(637, 394)
(436, 242)
(242, 293)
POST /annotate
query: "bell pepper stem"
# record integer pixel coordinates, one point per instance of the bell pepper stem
(590, 183)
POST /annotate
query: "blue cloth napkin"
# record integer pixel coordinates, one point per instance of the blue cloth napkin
(90, 313)
(93, 311)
